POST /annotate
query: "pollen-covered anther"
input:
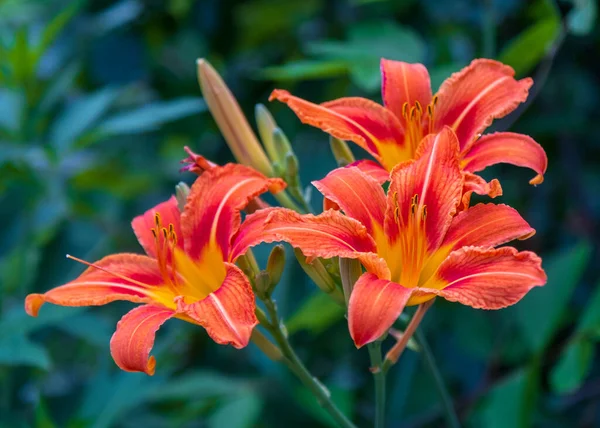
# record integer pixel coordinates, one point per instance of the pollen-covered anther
(405, 110)
(424, 212)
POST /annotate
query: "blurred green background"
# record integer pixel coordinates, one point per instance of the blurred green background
(97, 99)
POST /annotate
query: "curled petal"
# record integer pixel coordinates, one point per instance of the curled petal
(436, 180)
(327, 235)
(486, 278)
(131, 344)
(129, 277)
(471, 99)
(404, 83)
(228, 313)
(212, 213)
(359, 195)
(486, 225)
(373, 307)
(507, 147)
(196, 163)
(474, 183)
(373, 169)
(360, 120)
(168, 214)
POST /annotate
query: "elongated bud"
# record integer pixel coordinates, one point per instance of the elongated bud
(292, 169)
(247, 263)
(317, 272)
(276, 264)
(350, 271)
(262, 284)
(182, 191)
(231, 121)
(281, 145)
(266, 125)
(341, 152)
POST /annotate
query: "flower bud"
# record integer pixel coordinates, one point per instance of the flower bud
(231, 121)
(341, 152)
(281, 145)
(263, 284)
(317, 272)
(182, 191)
(276, 264)
(350, 271)
(266, 125)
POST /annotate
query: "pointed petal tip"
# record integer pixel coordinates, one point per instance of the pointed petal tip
(279, 94)
(33, 303)
(538, 179)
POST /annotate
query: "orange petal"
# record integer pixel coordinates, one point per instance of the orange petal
(486, 278)
(507, 147)
(132, 277)
(486, 225)
(404, 83)
(196, 163)
(131, 344)
(362, 121)
(327, 235)
(373, 307)
(359, 195)
(212, 213)
(373, 169)
(475, 183)
(228, 313)
(142, 225)
(471, 99)
(436, 180)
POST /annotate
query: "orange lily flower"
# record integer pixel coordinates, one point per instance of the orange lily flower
(467, 102)
(411, 242)
(188, 271)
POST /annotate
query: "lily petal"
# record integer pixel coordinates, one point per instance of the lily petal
(212, 213)
(471, 99)
(404, 83)
(373, 169)
(373, 307)
(327, 235)
(485, 278)
(360, 120)
(129, 277)
(359, 195)
(228, 313)
(142, 225)
(486, 225)
(436, 180)
(507, 147)
(132, 342)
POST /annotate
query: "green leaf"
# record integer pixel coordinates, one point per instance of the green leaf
(573, 366)
(304, 69)
(12, 105)
(200, 384)
(540, 313)
(150, 117)
(16, 349)
(316, 314)
(239, 412)
(57, 89)
(79, 116)
(342, 398)
(525, 51)
(55, 26)
(581, 20)
(510, 402)
(369, 42)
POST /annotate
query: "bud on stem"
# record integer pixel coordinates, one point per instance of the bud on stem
(231, 121)
(317, 272)
(341, 152)
(276, 264)
(350, 271)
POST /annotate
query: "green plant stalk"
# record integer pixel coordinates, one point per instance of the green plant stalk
(449, 411)
(379, 377)
(286, 201)
(294, 363)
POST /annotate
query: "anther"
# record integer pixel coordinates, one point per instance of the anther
(157, 219)
(424, 212)
(434, 100)
(413, 113)
(164, 232)
(153, 232)
(405, 110)
(418, 107)
(430, 110)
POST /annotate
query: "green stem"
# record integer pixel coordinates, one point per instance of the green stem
(450, 413)
(286, 201)
(379, 377)
(297, 367)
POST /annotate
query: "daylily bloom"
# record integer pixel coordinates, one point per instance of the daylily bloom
(467, 102)
(188, 271)
(412, 243)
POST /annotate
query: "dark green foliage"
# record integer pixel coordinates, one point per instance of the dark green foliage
(97, 100)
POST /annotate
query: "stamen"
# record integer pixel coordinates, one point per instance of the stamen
(434, 100)
(430, 111)
(157, 220)
(405, 110)
(424, 212)
(164, 232)
(418, 107)
(153, 230)
(133, 281)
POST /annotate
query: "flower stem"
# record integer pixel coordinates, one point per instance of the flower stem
(379, 377)
(294, 363)
(449, 411)
(394, 354)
